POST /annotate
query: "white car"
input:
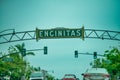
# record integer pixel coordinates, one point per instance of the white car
(39, 75)
(96, 74)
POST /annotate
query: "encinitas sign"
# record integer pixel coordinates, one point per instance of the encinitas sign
(59, 33)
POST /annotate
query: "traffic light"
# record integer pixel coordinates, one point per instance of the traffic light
(24, 52)
(76, 54)
(45, 50)
(95, 55)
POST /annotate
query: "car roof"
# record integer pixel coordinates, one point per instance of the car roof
(69, 74)
(96, 70)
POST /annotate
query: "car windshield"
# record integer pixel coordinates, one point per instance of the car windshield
(36, 74)
(69, 76)
(97, 70)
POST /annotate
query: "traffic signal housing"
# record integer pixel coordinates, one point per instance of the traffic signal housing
(45, 50)
(95, 55)
(23, 52)
(76, 54)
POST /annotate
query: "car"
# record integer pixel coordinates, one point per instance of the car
(96, 74)
(39, 75)
(70, 77)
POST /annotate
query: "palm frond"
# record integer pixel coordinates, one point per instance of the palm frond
(30, 53)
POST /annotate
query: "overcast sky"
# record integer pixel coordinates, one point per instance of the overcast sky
(24, 15)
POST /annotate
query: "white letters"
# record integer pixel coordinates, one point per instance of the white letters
(51, 34)
(59, 33)
(46, 33)
(72, 33)
(41, 33)
(68, 32)
(62, 33)
(78, 33)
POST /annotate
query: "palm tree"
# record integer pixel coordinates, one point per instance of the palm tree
(22, 50)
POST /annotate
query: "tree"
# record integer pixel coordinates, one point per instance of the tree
(112, 62)
(50, 77)
(20, 49)
(17, 53)
(19, 66)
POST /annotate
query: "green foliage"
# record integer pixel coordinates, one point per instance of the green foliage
(19, 66)
(114, 57)
(20, 49)
(111, 62)
(50, 77)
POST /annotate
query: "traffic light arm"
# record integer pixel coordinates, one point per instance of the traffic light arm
(24, 50)
(91, 54)
(76, 54)
(35, 50)
(45, 50)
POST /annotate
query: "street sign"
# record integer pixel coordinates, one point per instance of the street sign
(8, 59)
(59, 33)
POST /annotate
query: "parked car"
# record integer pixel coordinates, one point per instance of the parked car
(96, 74)
(70, 77)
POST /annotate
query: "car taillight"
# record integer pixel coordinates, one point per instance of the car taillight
(86, 75)
(106, 75)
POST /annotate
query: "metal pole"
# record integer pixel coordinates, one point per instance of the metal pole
(8, 30)
(34, 49)
(91, 54)
(18, 52)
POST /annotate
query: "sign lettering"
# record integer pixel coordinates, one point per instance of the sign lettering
(59, 33)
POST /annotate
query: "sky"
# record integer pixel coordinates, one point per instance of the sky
(25, 15)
